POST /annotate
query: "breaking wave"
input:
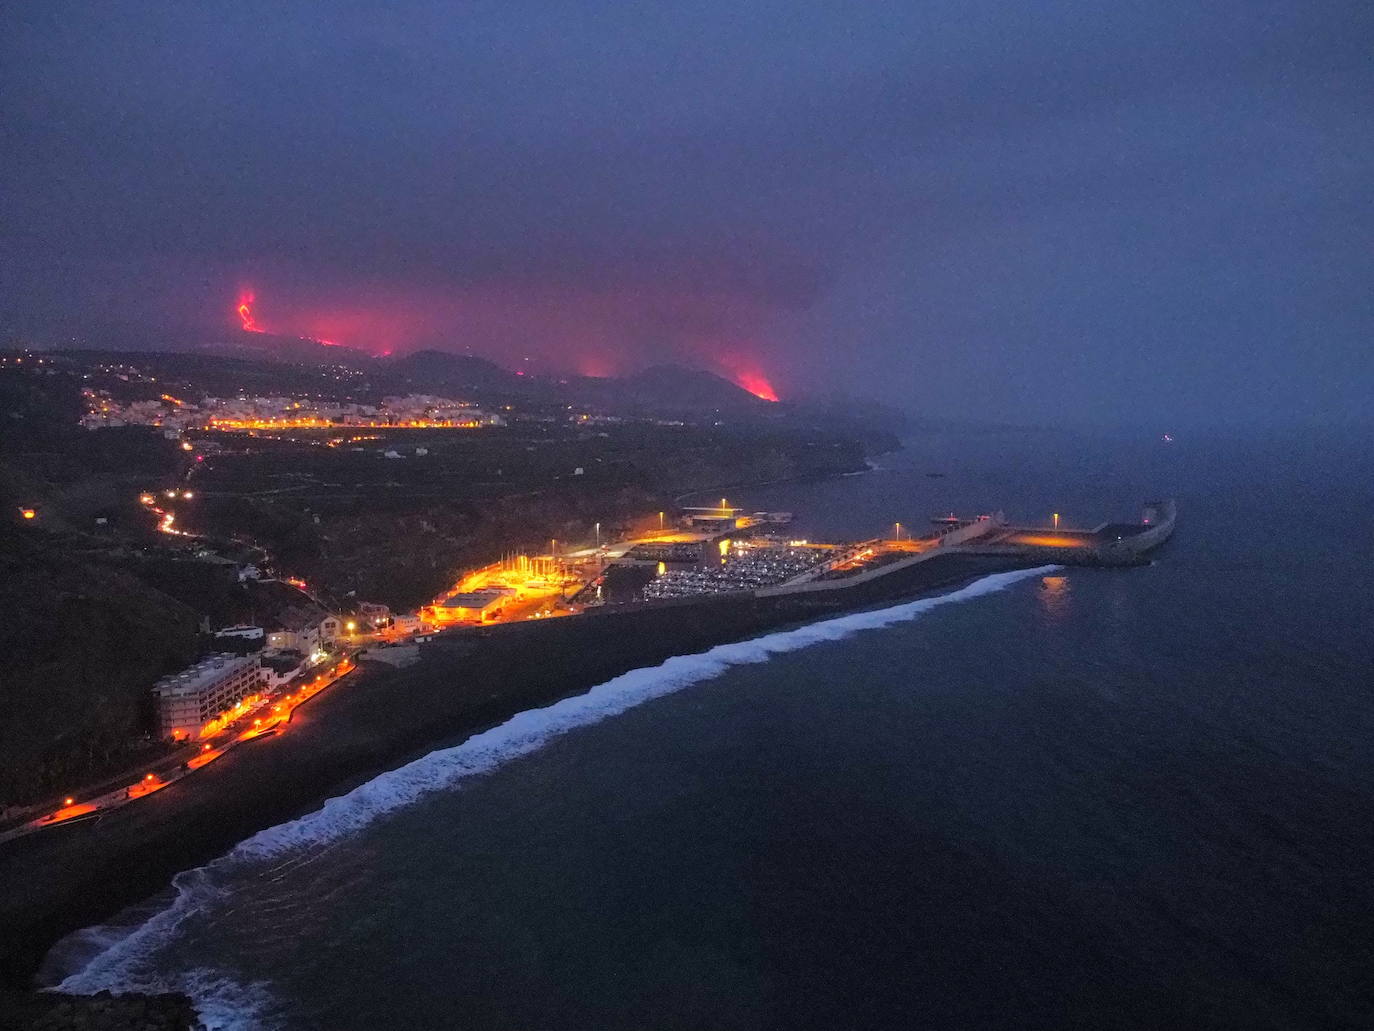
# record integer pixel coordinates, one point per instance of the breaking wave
(116, 958)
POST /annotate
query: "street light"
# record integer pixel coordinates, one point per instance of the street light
(899, 531)
(598, 535)
(1056, 520)
(660, 520)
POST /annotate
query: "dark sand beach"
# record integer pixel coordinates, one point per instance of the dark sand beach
(376, 719)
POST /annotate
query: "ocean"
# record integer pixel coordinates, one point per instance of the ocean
(1130, 798)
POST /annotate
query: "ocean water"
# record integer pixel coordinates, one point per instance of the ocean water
(1057, 798)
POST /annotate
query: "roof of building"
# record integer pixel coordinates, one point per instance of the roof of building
(282, 660)
(203, 673)
(473, 599)
(240, 630)
(301, 617)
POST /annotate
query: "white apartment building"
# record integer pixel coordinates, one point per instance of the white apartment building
(186, 701)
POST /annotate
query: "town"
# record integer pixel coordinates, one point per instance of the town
(242, 532)
(250, 685)
(414, 411)
(313, 533)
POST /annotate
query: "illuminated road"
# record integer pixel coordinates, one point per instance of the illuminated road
(270, 716)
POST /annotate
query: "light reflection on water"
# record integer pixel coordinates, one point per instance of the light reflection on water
(1054, 596)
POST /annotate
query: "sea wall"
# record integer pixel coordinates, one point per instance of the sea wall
(967, 533)
(1136, 547)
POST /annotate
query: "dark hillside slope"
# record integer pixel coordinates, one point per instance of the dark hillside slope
(81, 641)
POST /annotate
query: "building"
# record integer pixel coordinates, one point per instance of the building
(304, 628)
(188, 700)
(280, 668)
(373, 614)
(721, 519)
(472, 606)
(241, 639)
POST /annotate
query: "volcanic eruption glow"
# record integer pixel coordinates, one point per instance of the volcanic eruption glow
(245, 313)
(736, 360)
(757, 384)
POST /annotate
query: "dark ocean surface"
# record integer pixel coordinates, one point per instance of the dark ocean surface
(1133, 798)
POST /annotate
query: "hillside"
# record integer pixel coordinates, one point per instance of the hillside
(82, 643)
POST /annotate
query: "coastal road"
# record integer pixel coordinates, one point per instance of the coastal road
(268, 716)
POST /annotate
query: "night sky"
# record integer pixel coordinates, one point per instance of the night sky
(1144, 211)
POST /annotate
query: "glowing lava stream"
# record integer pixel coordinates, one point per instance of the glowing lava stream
(245, 313)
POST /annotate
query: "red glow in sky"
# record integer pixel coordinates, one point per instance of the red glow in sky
(597, 366)
(739, 364)
(593, 334)
(245, 312)
(757, 384)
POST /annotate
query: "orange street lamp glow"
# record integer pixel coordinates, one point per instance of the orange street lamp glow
(68, 801)
(28, 513)
(1056, 520)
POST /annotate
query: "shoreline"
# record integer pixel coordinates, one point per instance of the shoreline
(54, 883)
(799, 478)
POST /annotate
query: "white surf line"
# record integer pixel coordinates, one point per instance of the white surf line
(115, 967)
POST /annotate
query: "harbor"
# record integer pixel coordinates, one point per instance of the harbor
(738, 559)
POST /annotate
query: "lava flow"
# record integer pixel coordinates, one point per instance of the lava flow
(245, 313)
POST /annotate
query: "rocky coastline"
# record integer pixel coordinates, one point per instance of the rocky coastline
(52, 1011)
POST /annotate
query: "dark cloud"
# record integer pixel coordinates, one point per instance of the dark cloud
(1020, 210)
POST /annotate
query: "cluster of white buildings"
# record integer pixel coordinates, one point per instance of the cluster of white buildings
(103, 411)
(215, 686)
(412, 410)
(304, 628)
